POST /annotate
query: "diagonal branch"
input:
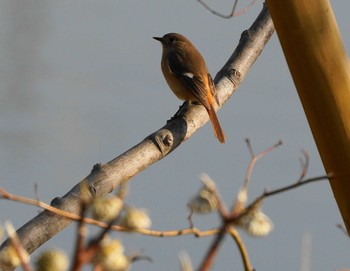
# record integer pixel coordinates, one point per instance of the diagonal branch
(104, 178)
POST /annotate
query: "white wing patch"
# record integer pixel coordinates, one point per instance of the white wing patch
(188, 74)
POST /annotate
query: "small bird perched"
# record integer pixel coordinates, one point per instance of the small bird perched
(187, 75)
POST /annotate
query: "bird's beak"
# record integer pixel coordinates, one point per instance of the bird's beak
(158, 39)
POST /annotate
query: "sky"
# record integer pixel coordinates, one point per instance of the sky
(80, 83)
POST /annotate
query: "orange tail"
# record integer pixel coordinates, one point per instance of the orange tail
(219, 133)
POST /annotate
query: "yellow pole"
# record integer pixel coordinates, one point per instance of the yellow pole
(317, 60)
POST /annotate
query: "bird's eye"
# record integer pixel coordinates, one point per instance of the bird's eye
(171, 40)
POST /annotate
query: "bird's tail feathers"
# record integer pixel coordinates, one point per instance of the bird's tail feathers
(219, 133)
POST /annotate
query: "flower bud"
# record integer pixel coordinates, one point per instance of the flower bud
(205, 201)
(134, 219)
(110, 256)
(9, 257)
(106, 209)
(52, 260)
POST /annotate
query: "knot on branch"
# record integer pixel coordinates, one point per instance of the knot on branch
(234, 76)
(246, 36)
(97, 168)
(164, 140)
(56, 202)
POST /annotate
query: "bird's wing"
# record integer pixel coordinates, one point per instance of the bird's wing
(193, 82)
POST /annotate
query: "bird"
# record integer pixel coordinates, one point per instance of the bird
(187, 75)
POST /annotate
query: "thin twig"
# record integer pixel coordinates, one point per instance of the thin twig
(241, 199)
(213, 249)
(236, 216)
(171, 233)
(255, 158)
(6, 195)
(295, 185)
(304, 164)
(232, 14)
(16, 244)
(189, 218)
(241, 247)
(36, 192)
(79, 257)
